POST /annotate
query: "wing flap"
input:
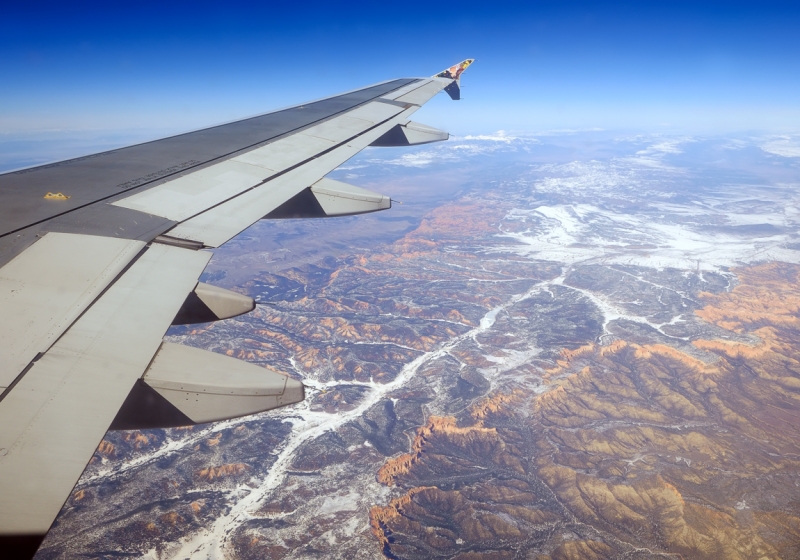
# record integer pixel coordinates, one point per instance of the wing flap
(219, 224)
(59, 410)
(286, 152)
(187, 196)
(49, 285)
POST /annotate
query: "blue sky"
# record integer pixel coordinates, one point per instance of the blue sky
(150, 68)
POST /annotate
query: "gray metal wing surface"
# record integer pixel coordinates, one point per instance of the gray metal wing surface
(99, 255)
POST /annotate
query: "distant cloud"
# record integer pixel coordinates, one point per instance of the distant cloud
(499, 136)
(566, 131)
(653, 155)
(459, 148)
(784, 146)
(419, 159)
(669, 146)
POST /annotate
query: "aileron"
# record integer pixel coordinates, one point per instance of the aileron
(422, 95)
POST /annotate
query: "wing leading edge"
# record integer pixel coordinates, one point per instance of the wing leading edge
(92, 280)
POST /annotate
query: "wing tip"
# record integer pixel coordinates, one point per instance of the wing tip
(455, 71)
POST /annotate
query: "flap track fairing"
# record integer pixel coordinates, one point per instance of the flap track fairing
(209, 303)
(208, 387)
(328, 198)
(411, 134)
(185, 385)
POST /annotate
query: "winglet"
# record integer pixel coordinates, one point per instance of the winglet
(454, 73)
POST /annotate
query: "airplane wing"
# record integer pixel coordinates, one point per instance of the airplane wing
(99, 255)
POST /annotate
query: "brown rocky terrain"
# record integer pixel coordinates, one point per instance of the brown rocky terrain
(638, 449)
(560, 363)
